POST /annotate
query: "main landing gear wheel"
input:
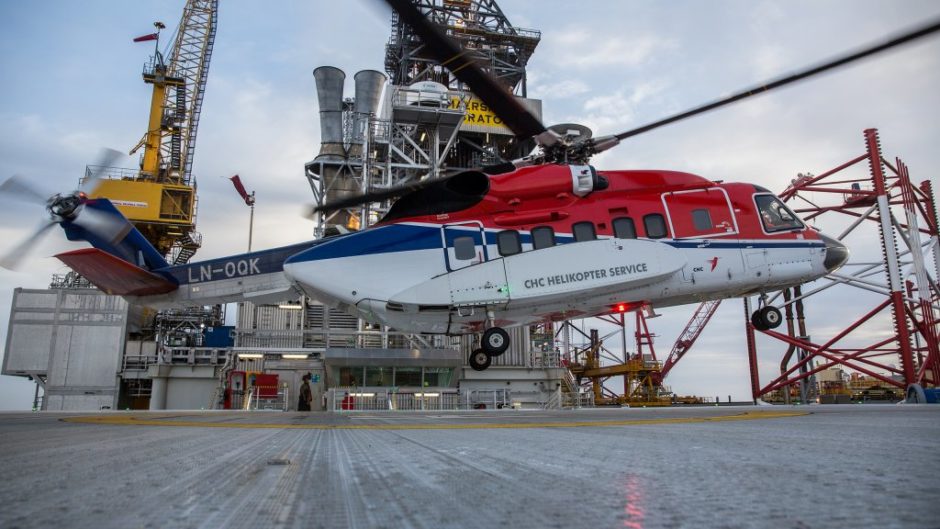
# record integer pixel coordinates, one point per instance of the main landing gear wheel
(495, 341)
(766, 318)
(479, 360)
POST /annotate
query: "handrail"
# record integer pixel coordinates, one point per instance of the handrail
(326, 337)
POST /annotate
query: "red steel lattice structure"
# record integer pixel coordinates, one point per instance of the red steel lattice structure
(897, 209)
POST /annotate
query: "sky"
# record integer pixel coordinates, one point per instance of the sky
(71, 78)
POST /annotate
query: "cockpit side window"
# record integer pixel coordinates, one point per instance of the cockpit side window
(774, 215)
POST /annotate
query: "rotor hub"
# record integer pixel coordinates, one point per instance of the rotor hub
(63, 207)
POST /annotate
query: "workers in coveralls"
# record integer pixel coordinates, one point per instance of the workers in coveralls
(306, 395)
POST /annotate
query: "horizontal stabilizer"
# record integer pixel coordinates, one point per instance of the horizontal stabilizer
(113, 275)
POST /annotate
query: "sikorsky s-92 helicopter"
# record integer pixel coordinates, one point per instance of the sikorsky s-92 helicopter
(544, 238)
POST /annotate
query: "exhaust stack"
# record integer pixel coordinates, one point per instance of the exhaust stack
(369, 84)
(330, 95)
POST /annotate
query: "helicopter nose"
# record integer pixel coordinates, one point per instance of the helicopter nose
(836, 253)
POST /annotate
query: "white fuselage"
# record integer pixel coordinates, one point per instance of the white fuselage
(408, 277)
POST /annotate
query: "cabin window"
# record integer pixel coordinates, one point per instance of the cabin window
(583, 231)
(508, 242)
(774, 215)
(655, 226)
(702, 220)
(465, 248)
(624, 228)
(543, 237)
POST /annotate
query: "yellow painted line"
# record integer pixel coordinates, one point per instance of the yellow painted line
(131, 420)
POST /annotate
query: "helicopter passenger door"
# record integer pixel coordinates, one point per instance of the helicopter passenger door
(464, 244)
(702, 217)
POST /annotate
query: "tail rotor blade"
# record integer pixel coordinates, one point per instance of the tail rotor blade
(102, 224)
(18, 187)
(12, 259)
(106, 158)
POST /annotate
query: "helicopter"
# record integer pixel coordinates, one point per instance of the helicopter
(547, 237)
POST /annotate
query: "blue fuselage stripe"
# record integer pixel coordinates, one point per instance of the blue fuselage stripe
(242, 265)
(408, 237)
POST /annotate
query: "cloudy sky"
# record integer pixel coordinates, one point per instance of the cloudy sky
(71, 78)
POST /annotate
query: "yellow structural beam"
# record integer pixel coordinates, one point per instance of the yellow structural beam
(157, 126)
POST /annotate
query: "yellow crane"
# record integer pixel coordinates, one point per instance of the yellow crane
(160, 197)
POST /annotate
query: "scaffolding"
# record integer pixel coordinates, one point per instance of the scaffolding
(902, 325)
(479, 27)
(594, 365)
(497, 47)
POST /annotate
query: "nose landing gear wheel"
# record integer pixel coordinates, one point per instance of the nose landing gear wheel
(766, 318)
(479, 360)
(495, 341)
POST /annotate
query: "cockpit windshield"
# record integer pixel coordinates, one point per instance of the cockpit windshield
(775, 215)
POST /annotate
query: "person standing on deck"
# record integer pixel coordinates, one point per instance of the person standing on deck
(306, 395)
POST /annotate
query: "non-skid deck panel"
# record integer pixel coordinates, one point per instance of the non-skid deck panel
(835, 467)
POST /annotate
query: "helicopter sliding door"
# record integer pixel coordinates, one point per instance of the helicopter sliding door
(703, 217)
(464, 244)
(700, 213)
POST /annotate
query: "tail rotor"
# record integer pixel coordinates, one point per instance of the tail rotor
(64, 208)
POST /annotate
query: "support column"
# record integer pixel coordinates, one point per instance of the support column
(623, 345)
(752, 351)
(158, 393)
(36, 397)
(890, 254)
(930, 213)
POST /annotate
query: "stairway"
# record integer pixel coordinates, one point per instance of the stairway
(187, 248)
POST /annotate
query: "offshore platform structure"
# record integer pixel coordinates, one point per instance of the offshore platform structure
(421, 123)
(431, 124)
(89, 350)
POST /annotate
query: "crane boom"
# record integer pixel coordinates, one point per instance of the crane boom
(160, 200)
(693, 329)
(189, 61)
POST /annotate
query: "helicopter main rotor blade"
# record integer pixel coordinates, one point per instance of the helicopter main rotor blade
(13, 257)
(837, 62)
(375, 196)
(460, 63)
